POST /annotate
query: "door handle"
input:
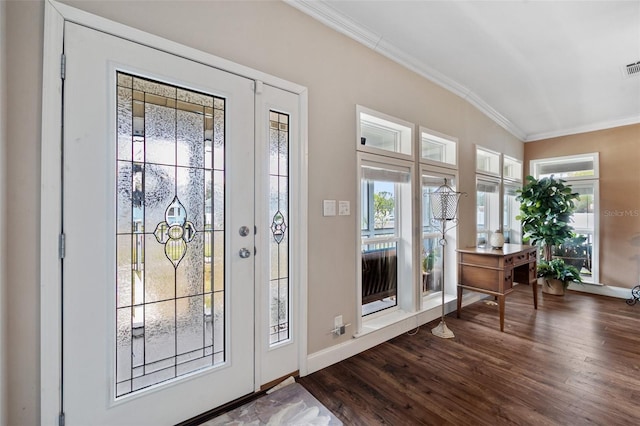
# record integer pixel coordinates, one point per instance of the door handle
(244, 253)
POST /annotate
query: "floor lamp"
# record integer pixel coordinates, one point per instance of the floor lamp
(444, 209)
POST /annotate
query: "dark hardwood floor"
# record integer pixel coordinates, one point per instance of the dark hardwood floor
(574, 361)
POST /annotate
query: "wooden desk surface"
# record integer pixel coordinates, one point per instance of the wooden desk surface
(506, 250)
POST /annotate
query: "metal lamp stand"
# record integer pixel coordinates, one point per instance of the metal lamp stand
(444, 207)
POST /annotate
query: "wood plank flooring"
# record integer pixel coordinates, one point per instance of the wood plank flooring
(574, 361)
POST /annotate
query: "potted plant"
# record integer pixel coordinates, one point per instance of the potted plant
(546, 207)
(556, 276)
(428, 263)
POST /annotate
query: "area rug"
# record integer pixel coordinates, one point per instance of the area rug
(290, 405)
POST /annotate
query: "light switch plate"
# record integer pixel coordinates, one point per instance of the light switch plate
(344, 208)
(329, 207)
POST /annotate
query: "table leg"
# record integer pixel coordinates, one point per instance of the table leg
(534, 288)
(459, 302)
(501, 306)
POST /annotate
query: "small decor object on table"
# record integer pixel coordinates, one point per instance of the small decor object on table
(497, 240)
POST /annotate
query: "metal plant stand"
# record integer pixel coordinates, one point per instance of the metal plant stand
(635, 296)
(444, 208)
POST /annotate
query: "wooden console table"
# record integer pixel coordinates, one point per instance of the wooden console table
(493, 272)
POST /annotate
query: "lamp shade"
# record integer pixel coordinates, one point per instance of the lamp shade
(444, 202)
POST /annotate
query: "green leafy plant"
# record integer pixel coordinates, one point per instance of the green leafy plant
(546, 207)
(559, 270)
(429, 261)
(383, 206)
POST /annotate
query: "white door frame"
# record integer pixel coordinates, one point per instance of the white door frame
(51, 185)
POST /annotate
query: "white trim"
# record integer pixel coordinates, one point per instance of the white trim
(300, 244)
(137, 36)
(334, 354)
(603, 125)
(601, 290)
(438, 135)
(391, 122)
(595, 156)
(51, 208)
(326, 14)
(50, 219)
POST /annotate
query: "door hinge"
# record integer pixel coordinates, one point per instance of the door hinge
(61, 245)
(61, 419)
(63, 66)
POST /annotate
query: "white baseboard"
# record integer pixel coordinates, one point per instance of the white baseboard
(334, 354)
(602, 290)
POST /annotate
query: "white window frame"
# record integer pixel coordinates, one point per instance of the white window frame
(503, 179)
(402, 237)
(491, 156)
(586, 180)
(404, 129)
(449, 144)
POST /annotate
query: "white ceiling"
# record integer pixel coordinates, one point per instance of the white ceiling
(538, 68)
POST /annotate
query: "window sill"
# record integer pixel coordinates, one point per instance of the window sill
(398, 315)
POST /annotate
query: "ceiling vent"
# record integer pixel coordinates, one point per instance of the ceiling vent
(632, 69)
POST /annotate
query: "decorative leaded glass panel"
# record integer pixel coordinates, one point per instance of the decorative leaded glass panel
(170, 303)
(279, 289)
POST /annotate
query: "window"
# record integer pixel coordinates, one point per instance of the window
(487, 162)
(381, 134)
(487, 208)
(385, 195)
(498, 178)
(438, 148)
(511, 228)
(386, 169)
(581, 173)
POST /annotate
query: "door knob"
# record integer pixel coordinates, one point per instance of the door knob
(244, 253)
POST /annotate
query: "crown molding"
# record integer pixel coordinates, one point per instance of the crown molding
(603, 125)
(323, 12)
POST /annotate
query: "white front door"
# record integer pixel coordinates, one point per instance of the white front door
(158, 213)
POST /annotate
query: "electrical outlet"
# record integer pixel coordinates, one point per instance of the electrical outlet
(337, 321)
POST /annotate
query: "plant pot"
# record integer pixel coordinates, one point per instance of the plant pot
(552, 286)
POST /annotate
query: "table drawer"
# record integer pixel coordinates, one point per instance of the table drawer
(480, 260)
(520, 258)
(474, 276)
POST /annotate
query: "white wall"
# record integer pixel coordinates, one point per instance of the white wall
(269, 36)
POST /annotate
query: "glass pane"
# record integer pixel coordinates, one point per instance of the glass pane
(438, 149)
(487, 210)
(385, 134)
(511, 228)
(379, 277)
(431, 265)
(170, 287)
(512, 168)
(279, 289)
(487, 161)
